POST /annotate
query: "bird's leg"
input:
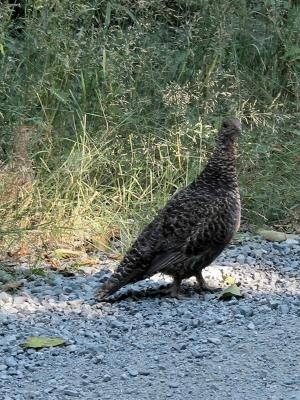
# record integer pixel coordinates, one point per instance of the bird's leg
(170, 290)
(173, 289)
(202, 285)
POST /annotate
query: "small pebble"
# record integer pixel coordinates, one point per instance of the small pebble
(132, 372)
(246, 311)
(251, 326)
(71, 392)
(11, 362)
(284, 308)
(213, 340)
(106, 378)
(240, 259)
(5, 297)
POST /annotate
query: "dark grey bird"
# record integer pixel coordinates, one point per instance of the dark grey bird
(194, 226)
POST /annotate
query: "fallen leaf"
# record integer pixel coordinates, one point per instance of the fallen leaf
(113, 256)
(229, 292)
(86, 261)
(292, 236)
(38, 342)
(20, 252)
(272, 236)
(68, 253)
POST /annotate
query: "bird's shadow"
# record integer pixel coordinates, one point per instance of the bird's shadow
(160, 291)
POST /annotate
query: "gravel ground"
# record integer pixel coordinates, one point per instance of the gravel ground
(196, 347)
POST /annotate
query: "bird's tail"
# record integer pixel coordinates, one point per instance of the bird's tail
(109, 287)
(124, 274)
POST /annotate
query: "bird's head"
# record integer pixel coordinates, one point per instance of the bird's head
(231, 128)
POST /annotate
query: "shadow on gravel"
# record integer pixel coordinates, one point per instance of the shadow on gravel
(254, 281)
(71, 293)
(159, 291)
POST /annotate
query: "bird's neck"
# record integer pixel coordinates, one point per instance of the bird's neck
(221, 168)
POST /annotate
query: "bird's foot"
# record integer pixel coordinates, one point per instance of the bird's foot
(204, 287)
(100, 295)
(170, 291)
(207, 288)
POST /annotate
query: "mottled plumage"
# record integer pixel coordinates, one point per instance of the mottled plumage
(194, 226)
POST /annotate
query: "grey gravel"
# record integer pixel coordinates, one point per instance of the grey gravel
(158, 348)
(70, 392)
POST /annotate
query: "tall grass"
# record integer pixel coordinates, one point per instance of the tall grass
(125, 98)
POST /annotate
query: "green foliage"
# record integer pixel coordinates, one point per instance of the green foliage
(229, 292)
(124, 96)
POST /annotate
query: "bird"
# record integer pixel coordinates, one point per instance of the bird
(192, 229)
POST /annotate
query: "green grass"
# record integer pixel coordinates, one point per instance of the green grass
(125, 98)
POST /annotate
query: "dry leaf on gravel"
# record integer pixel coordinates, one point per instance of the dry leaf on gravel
(229, 292)
(275, 236)
(38, 342)
(67, 253)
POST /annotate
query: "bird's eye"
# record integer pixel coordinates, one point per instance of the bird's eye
(225, 125)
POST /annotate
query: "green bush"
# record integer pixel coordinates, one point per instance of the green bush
(125, 97)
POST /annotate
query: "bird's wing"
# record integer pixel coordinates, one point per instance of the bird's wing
(163, 261)
(204, 239)
(194, 247)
